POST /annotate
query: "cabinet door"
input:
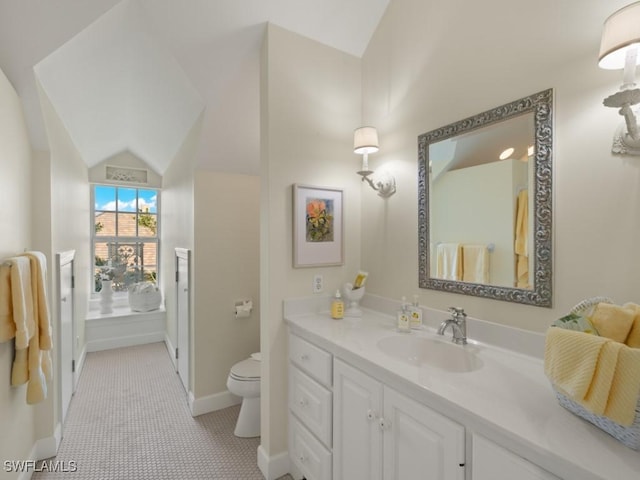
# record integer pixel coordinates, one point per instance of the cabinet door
(357, 439)
(420, 443)
(493, 462)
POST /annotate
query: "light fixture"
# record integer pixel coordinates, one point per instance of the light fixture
(619, 50)
(506, 153)
(365, 141)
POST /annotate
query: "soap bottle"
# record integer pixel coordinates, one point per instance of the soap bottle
(416, 314)
(337, 306)
(404, 319)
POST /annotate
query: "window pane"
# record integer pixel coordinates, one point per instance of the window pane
(148, 201)
(147, 225)
(127, 225)
(105, 198)
(127, 199)
(105, 224)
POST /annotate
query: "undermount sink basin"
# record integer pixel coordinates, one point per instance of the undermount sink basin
(425, 351)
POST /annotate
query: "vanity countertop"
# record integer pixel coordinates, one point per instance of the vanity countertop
(508, 399)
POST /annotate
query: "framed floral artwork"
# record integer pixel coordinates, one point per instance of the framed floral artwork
(317, 226)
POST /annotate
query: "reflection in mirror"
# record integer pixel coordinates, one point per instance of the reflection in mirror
(485, 203)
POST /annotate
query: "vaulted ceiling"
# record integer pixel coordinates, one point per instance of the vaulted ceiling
(137, 74)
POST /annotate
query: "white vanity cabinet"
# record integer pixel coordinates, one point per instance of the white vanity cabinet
(382, 434)
(310, 407)
(490, 461)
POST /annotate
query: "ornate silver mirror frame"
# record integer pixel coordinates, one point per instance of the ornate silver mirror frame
(541, 105)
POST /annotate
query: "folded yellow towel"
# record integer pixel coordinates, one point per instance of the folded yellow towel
(612, 321)
(38, 264)
(597, 397)
(570, 360)
(633, 339)
(625, 389)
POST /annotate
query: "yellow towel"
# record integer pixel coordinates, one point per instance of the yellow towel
(625, 389)
(475, 264)
(600, 374)
(612, 321)
(597, 397)
(38, 263)
(521, 240)
(570, 360)
(633, 339)
(22, 300)
(7, 326)
(449, 261)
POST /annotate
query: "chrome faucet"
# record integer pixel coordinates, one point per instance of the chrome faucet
(458, 323)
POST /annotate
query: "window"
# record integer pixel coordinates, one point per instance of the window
(125, 232)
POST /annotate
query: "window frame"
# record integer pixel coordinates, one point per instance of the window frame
(115, 239)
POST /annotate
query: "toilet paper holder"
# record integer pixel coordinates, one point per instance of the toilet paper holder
(243, 308)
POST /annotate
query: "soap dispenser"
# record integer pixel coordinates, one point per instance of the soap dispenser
(416, 313)
(337, 306)
(404, 319)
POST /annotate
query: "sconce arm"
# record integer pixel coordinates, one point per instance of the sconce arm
(385, 185)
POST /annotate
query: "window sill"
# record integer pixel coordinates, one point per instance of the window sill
(120, 309)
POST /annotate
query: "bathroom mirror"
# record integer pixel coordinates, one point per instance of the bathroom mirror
(485, 198)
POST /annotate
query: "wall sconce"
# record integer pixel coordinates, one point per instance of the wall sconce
(365, 141)
(618, 50)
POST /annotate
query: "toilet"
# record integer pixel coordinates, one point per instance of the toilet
(244, 381)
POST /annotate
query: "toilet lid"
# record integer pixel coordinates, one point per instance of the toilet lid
(246, 369)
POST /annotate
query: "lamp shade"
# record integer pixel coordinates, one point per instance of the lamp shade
(621, 32)
(365, 140)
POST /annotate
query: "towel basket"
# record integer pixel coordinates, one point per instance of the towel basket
(628, 435)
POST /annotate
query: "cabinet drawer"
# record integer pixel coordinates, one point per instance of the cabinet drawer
(307, 453)
(311, 359)
(312, 403)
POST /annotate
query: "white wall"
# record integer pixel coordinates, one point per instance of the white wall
(310, 106)
(176, 221)
(16, 417)
(434, 62)
(65, 201)
(226, 268)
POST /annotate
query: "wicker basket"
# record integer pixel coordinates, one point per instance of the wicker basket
(144, 301)
(628, 435)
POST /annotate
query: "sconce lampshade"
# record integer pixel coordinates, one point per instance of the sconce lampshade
(621, 32)
(365, 140)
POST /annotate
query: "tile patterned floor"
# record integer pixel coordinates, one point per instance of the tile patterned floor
(129, 420)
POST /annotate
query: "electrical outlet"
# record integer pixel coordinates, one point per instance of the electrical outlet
(317, 284)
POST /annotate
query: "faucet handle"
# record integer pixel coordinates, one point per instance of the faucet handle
(457, 312)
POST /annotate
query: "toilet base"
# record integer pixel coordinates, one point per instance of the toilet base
(248, 424)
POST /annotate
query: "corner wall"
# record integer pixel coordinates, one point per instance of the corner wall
(310, 105)
(431, 63)
(225, 268)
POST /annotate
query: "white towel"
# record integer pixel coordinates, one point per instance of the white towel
(475, 263)
(449, 261)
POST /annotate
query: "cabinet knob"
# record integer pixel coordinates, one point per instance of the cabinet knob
(384, 424)
(304, 357)
(371, 414)
(303, 458)
(303, 402)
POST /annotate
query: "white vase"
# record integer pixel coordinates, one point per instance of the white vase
(106, 297)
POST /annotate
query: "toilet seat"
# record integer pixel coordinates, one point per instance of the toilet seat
(246, 371)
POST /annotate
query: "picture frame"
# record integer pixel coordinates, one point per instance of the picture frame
(318, 226)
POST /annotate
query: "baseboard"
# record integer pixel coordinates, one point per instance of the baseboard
(172, 351)
(211, 403)
(128, 341)
(79, 366)
(273, 467)
(44, 448)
